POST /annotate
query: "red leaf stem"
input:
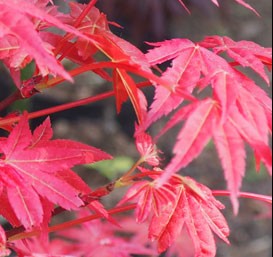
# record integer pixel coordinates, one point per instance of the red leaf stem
(142, 175)
(10, 99)
(58, 108)
(264, 198)
(66, 106)
(85, 12)
(104, 65)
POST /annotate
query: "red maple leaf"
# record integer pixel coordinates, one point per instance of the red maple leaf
(203, 122)
(232, 112)
(150, 198)
(35, 171)
(20, 23)
(95, 25)
(147, 149)
(195, 208)
(189, 62)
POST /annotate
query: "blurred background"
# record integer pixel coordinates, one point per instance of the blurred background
(98, 125)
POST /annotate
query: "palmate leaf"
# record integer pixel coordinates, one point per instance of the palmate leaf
(23, 40)
(181, 202)
(121, 51)
(95, 25)
(232, 99)
(183, 75)
(195, 208)
(189, 62)
(149, 198)
(36, 170)
(203, 121)
(147, 149)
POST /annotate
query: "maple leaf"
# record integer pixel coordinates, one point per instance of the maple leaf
(95, 25)
(33, 167)
(147, 149)
(150, 197)
(23, 40)
(192, 65)
(22, 34)
(203, 123)
(189, 62)
(118, 50)
(197, 209)
(3, 251)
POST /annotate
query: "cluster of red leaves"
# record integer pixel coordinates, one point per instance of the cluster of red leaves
(36, 171)
(238, 111)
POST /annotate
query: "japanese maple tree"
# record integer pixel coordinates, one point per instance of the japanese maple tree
(36, 177)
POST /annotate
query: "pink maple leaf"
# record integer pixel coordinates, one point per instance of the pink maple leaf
(20, 23)
(34, 168)
(195, 208)
(195, 66)
(150, 198)
(147, 149)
